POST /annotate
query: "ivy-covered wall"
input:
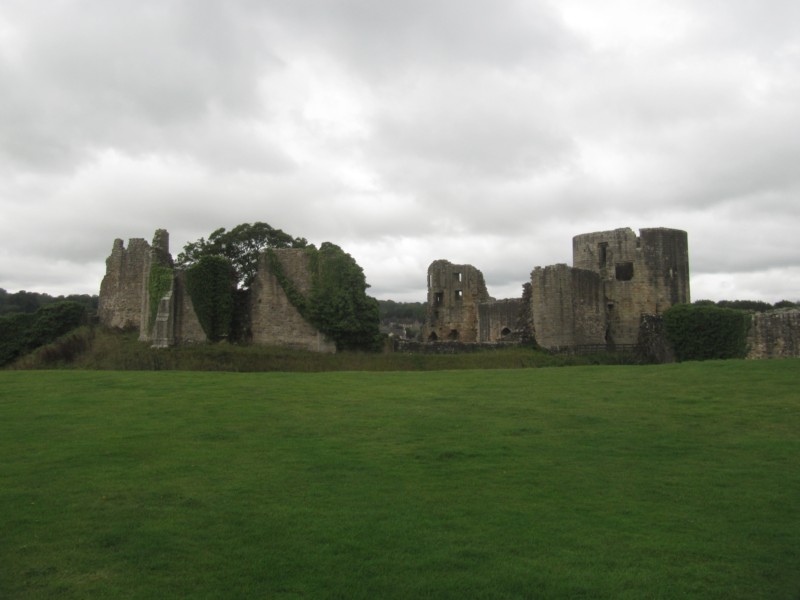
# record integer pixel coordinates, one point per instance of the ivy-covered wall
(210, 283)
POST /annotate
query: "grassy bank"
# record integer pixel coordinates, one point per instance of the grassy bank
(675, 481)
(102, 349)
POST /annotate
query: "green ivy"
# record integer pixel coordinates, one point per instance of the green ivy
(160, 282)
(211, 282)
(338, 304)
(702, 332)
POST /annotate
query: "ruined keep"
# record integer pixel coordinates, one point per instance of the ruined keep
(615, 279)
(143, 290)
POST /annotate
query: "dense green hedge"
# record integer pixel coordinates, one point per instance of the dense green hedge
(23, 332)
(211, 282)
(701, 332)
(338, 304)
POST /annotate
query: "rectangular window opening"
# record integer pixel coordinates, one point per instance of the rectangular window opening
(624, 271)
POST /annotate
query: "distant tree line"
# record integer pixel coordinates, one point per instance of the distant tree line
(754, 305)
(30, 302)
(23, 332)
(402, 312)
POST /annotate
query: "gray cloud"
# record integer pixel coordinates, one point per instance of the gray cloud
(481, 132)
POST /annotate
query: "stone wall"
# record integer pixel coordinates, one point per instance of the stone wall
(454, 293)
(568, 307)
(274, 320)
(187, 326)
(641, 275)
(122, 290)
(775, 334)
(500, 320)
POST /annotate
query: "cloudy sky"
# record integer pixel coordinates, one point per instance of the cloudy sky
(486, 132)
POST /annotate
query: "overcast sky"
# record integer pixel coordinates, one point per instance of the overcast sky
(486, 132)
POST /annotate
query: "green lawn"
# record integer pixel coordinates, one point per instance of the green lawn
(672, 481)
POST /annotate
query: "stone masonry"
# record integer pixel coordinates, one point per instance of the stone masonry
(454, 294)
(274, 320)
(775, 334)
(122, 288)
(125, 299)
(616, 278)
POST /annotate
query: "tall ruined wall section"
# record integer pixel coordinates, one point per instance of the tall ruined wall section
(641, 275)
(454, 294)
(567, 306)
(274, 320)
(125, 294)
(775, 335)
(122, 290)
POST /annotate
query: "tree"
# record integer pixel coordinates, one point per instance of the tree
(242, 246)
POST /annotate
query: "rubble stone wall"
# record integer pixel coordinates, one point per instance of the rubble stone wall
(122, 290)
(775, 334)
(499, 320)
(274, 320)
(567, 306)
(454, 294)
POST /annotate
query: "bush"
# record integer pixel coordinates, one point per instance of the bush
(702, 332)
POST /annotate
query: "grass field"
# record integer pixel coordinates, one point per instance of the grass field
(672, 481)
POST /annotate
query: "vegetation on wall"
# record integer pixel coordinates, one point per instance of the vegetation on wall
(23, 332)
(338, 304)
(211, 283)
(160, 282)
(702, 331)
(242, 246)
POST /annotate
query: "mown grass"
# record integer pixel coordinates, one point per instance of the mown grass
(672, 481)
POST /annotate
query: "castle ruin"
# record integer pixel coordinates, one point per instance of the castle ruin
(616, 277)
(126, 293)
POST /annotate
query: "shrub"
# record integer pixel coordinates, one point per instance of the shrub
(701, 332)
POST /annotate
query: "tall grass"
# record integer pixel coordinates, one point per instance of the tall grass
(672, 481)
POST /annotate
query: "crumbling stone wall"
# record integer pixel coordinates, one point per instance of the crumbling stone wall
(122, 290)
(775, 334)
(160, 331)
(567, 306)
(641, 275)
(454, 294)
(499, 321)
(125, 296)
(274, 319)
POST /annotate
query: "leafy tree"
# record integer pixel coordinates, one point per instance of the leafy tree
(339, 305)
(242, 246)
